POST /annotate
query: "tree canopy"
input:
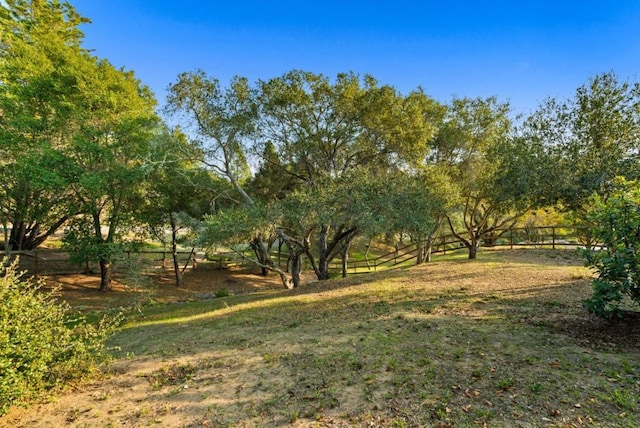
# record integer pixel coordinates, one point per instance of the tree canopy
(42, 70)
(303, 160)
(593, 137)
(74, 131)
(495, 172)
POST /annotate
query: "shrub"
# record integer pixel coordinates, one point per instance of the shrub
(616, 221)
(223, 292)
(40, 346)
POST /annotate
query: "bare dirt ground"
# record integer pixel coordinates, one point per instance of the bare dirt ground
(157, 285)
(126, 396)
(204, 282)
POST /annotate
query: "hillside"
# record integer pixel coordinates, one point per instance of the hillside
(500, 341)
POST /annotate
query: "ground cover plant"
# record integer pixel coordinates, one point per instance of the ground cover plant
(41, 347)
(499, 341)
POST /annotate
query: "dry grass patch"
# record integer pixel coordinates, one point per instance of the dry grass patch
(501, 341)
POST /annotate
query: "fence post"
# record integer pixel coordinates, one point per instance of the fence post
(36, 263)
(553, 238)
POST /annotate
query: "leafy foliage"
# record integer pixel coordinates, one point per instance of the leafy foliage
(323, 128)
(222, 118)
(235, 225)
(616, 222)
(39, 349)
(42, 70)
(178, 191)
(73, 128)
(593, 137)
(83, 246)
(476, 147)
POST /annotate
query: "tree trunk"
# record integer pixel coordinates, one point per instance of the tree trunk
(345, 258)
(294, 264)
(341, 239)
(289, 262)
(424, 250)
(16, 238)
(288, 283)
(323, 254)
(105, 260)
(105, 274)
(366, 254)
(473, 249)
(28, 237)
(174, 251)
(428, 250)
(261, 250)
(421, 253)
(471, 245)
(7, 245)
(296, 268)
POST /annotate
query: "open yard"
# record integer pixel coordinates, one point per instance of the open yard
(499, 341)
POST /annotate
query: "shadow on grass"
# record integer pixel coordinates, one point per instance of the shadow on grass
(448, 343)
(369, 353)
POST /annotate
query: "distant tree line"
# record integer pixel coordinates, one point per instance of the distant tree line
(302, 160)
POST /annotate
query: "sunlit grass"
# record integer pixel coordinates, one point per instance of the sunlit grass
(464, 343)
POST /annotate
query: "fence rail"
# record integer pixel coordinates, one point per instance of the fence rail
(48, 261)
(536, 236)
(57, 262)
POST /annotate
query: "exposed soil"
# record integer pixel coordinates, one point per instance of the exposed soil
(153, 283)
(205, 282)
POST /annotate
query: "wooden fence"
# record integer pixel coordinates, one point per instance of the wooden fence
(51, 261)
(45, 261)
(404, 255)
(552, 237)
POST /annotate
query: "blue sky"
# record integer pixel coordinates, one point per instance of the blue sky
(521, 51)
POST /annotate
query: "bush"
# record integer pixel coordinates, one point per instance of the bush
(616, 221)
(223, 292)
(40, 347)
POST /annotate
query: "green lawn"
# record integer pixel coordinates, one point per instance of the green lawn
(502, 341)
(497, 341)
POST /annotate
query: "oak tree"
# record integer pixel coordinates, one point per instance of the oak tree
(42, 66)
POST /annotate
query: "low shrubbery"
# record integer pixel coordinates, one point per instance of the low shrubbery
(616, 227)
(41, 347)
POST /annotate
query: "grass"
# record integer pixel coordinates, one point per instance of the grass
(501, 341)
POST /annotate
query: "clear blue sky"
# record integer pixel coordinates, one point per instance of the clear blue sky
(521, 51)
